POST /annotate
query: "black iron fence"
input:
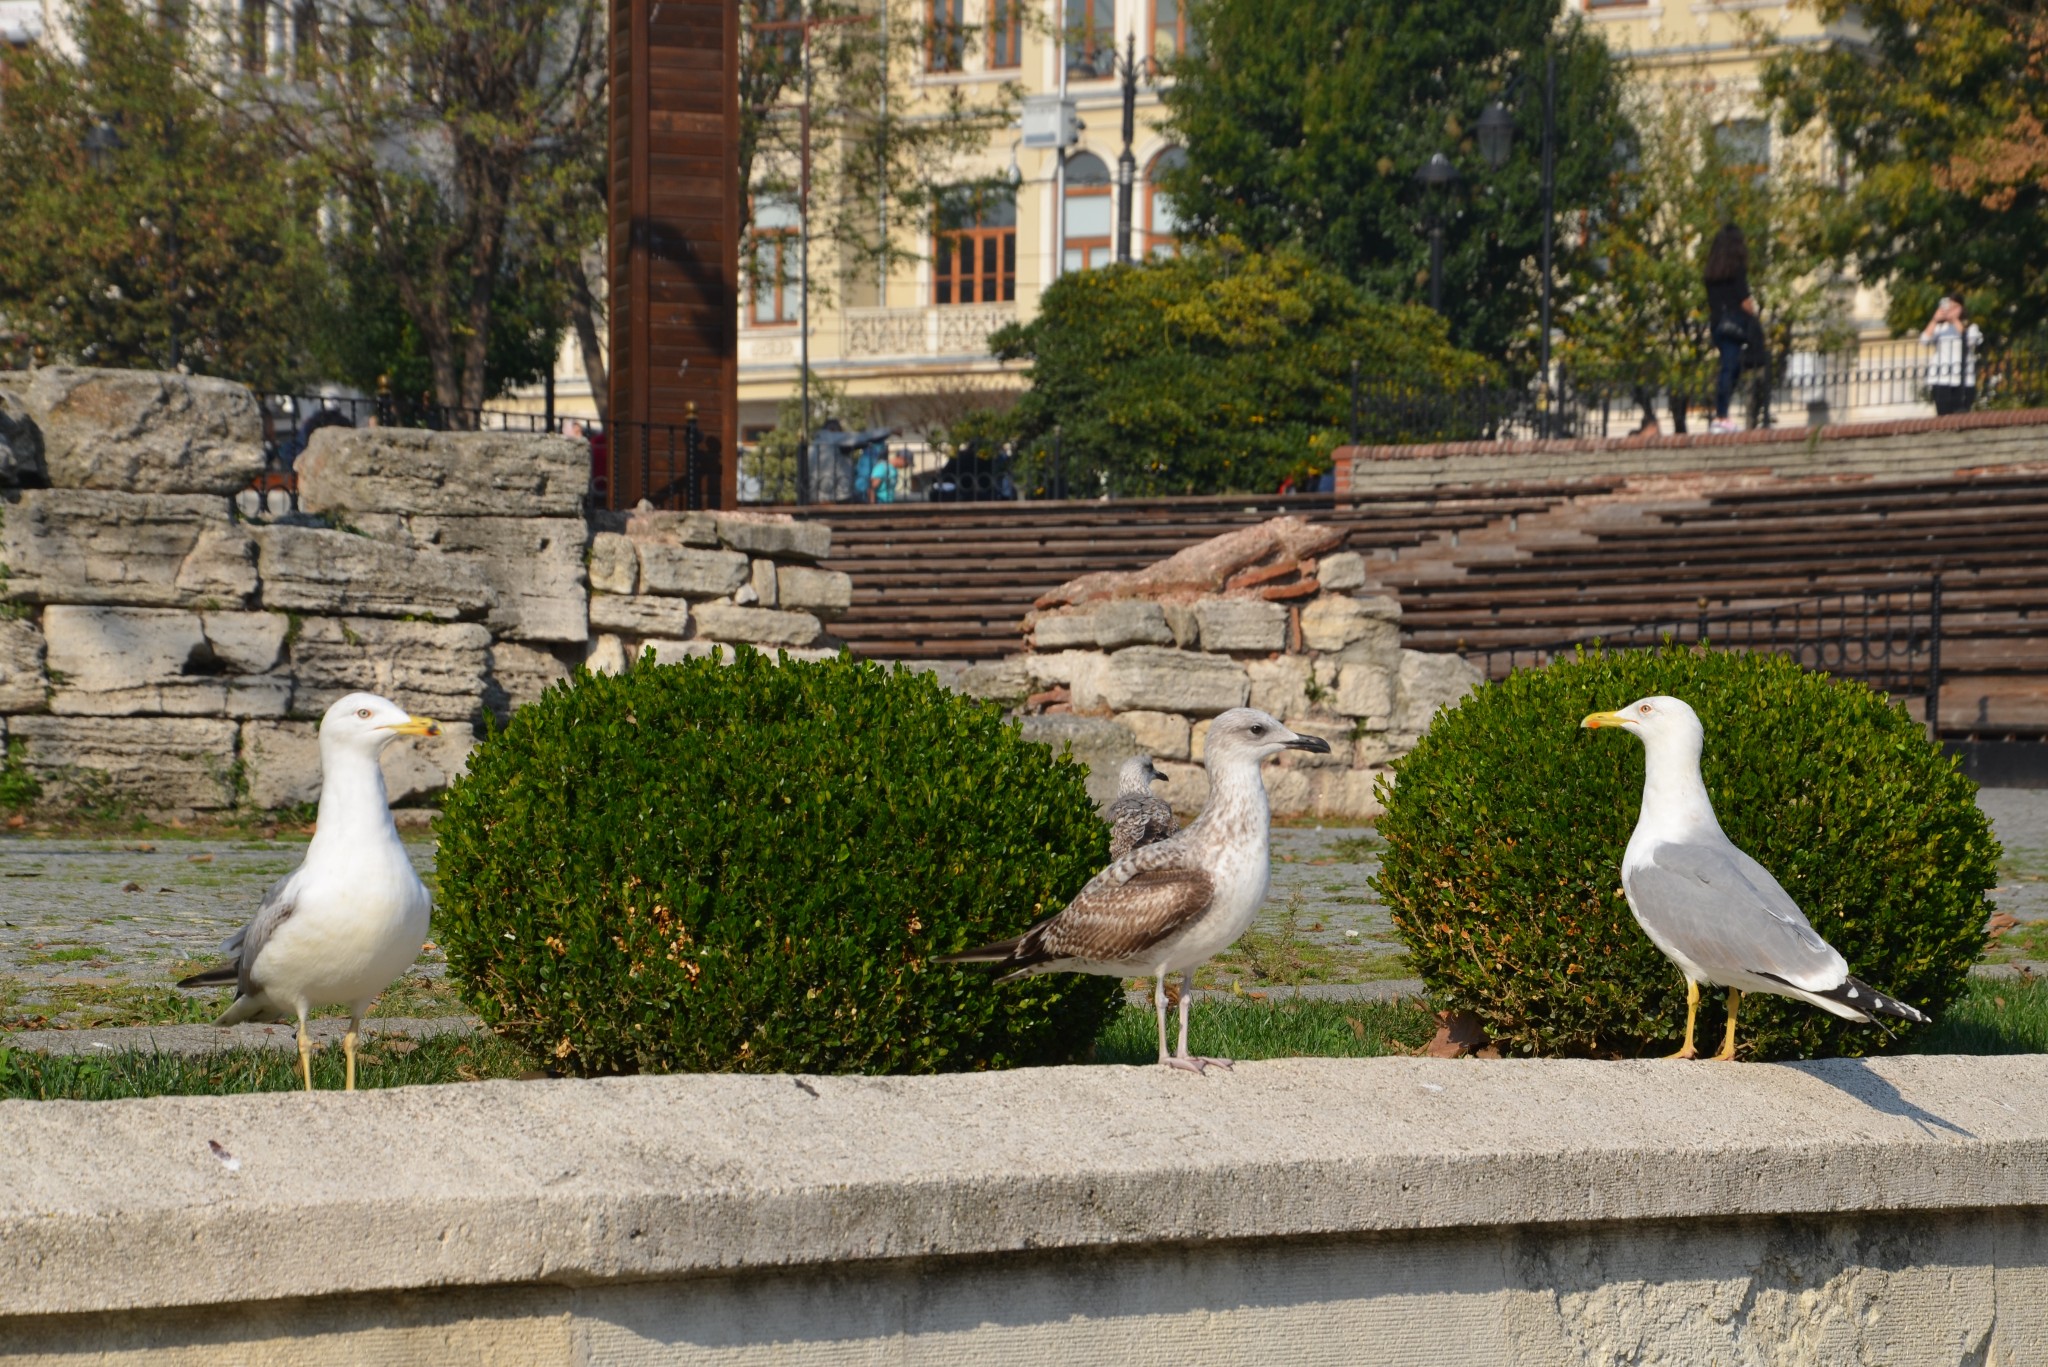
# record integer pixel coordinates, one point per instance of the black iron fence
(1888, 638)
(671, 465)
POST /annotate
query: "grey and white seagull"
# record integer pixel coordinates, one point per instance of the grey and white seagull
(1173, 905)
(1714, 911)
(352, 917)
(1137, 817)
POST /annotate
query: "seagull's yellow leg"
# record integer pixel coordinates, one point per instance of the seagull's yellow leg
(1692, 1015)
(348, 1047)
(1727, 1053)
(305, 1051)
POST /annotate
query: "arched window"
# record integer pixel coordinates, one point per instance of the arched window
(1091, 39)
(1162, 227)
(1090, 212)
(778, 294)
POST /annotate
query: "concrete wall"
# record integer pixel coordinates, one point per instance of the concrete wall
(1307, 1211)
(1882, 450)
(168, 635)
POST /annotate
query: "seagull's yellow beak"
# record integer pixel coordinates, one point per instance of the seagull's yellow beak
(1596, 720)
(417, 726)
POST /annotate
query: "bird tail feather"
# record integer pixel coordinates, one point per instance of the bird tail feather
(987, 954)
(226, 973)
(1858, 996)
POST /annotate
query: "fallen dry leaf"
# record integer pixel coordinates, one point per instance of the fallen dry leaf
(2001, 922)
(198, 859)
(1458, 1033)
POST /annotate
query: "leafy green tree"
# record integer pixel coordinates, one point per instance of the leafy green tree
(445, 130)
(1939, 116)
(1305, 122)
(144, 225)
(1220, 370)
(1636, 323)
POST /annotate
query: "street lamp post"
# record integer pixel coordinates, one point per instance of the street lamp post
(1131, 70)
(1436, 177)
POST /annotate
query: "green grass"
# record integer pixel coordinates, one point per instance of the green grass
(1249, 1029)
(27, 1004)
(1995, 1016)
(118, 1075)
(70, 954)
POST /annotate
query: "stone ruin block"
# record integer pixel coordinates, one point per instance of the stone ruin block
(1157, 679)
(777, 536)
(23, 684)
(534, 567)
(1366, 691)
(146, 550)
(1341, 572)
(317, 570)
(156, 763)
(347, 471)
(1241, 625)
(1334, 623)
(115, 662)
(757, 626)
(1427, 682)
(1162, 735)
(686, 572)
(614, 564)
(822, 593)
(1096, 742)
(431, 668)
(140, 431)
(21, 446)
(640, 615)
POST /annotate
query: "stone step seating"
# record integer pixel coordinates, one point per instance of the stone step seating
(953, 581)
(1655, 561)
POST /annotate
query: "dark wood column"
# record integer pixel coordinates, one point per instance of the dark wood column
(675, 215)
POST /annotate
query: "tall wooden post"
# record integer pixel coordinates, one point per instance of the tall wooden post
(675, 216)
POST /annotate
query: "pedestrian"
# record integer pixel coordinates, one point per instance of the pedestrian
(1731, 314)
(1952, 371)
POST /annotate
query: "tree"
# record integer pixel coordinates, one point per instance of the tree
(1305, 121)
(144, 227)
(1939, 115)
(1220, 370)
(446, 129)
(1637, 323)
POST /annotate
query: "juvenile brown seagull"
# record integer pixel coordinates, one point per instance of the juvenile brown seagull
(1714, 911)
(1173, 905)
(1137, 817)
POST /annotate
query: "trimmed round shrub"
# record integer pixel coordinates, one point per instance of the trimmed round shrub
(748, 866)
(1506, 828)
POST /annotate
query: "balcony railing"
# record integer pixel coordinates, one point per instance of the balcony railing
(954, 330)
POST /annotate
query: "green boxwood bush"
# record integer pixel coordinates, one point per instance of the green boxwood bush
(1506, 827)
(748, 867)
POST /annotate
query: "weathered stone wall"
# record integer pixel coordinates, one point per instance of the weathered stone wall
(165, 643)
(1266, 617)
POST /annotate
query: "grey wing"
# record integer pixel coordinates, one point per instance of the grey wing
(1722, 909)
(1115, 922)
(247, 943)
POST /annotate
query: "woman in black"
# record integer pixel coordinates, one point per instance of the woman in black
(1729, 310)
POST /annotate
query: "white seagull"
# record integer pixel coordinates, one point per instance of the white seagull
(1714, 911)
(1173, 905)
(1137, 817)
(352, 917)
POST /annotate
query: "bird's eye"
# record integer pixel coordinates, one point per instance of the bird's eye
(1258, 730)
(363, 712)
(1644, 709)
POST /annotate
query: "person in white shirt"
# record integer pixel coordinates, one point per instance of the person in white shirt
(1952, 372)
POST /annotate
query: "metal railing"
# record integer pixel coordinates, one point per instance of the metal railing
(1805, 386)
(1889, 638)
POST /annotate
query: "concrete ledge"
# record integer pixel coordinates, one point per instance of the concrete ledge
(732, 1191)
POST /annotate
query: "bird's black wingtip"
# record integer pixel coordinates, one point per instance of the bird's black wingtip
(226, 973)
(1854, 992)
